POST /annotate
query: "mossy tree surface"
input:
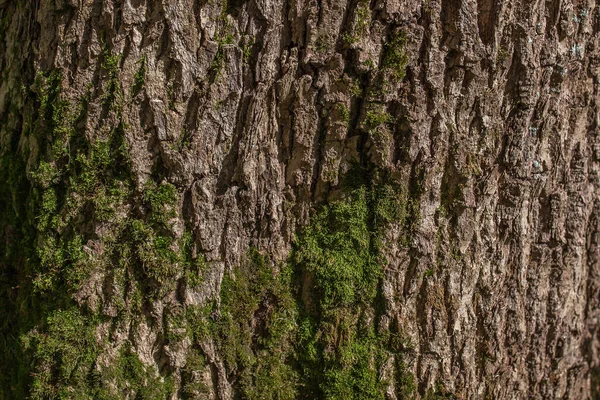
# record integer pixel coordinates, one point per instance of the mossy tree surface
(338, 257)
(305, 328)
(50, 344)
(310, 330)
(257, 328)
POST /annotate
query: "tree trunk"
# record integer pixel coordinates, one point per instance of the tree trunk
(283, 200)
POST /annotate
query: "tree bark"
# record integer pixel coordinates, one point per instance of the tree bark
(148, 147)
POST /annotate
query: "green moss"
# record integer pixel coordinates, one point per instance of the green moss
(376, 117)
(249, 42)
(344, 112)
(45, 175)
(150, 242)
(200, 323)
(140, 76)
(370, 64)
(176, 324)
(337, 257)
(194, 264)
(277, 343)
(161, 199)
(259, 354)
(355, 374)
(322, 45)
(130, 378)
(57, 256)
(171, 96)
(361, 22)
(192, 385)
(76, 179)
(113, 92)
(155, 253)
(395, 58)
(218, 62)
(65, 353)
(105, 199)
(339, 361)
(336, 251)
(406, 387)
(356, 89)
(48, 217)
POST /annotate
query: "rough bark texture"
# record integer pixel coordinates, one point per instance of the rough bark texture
(249, 114)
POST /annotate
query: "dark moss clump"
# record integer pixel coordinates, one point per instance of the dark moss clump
(341, 352)
(65, 351)
(255, 332)
(395, 57)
